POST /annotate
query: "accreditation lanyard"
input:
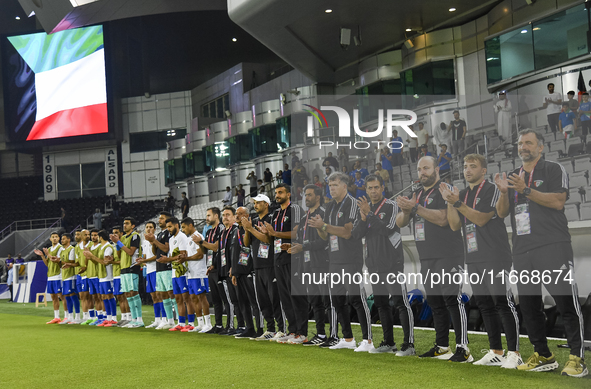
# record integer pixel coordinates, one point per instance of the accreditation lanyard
(306, 225)
(426, 198)
(531, 177)
(475, 198)
(331, 212)
(239, 238)
(282, 219)
(225, 238)
(378, 210)
(213, 234)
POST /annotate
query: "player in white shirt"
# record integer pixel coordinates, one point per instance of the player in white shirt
(177, 245)
(553, 104)
(149, 260)
(197, 276)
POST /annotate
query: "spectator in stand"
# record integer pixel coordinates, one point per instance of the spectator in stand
(331, 161)
(566, 121)
(240, 196)
(584, 113)
(343, 158)
(344, 170)
(383, 173)
(357, 168)
(279, 177)
(268, 179)
(317, 181)
(252, 181)
(397, 147)
(65, 221)
(573, 104)
(206, 228)
(442, 135)
(552, 103)
(19, 259)
(387, 161)
(286, 175)
(97, 219)
(327, 172)
(299, 175)
(261, 187)
(115, 207)
(443, 161)
(424, 151)
(422, 135)
(185, 205)
(227, 200)
(458, 130)
(359, 186)
(412, 145)
(294, 158)
(170, 203)
(503, 109)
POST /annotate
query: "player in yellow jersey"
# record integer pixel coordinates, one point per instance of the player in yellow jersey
(54, 275)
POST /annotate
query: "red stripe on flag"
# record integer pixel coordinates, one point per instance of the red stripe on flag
(91, 119)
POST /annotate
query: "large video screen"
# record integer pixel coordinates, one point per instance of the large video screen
(55, 85)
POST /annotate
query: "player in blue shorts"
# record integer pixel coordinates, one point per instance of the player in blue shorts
(196, 276)
(123, 303)
(149, 260)
(54, 275)
(104, 261)
(67, 259)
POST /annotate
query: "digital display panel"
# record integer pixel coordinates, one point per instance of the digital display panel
(55, 85)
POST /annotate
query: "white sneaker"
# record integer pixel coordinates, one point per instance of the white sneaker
(344, 344)
(491, 359)
(512, 360)
(365, 346)
(278, 335)
(266, 336)
(298, 339)
(165, 326)
(65, 321)
(195, 329)
(153, 325)
(286, 338)
(205, 328)
(131, 324)
(198, 328)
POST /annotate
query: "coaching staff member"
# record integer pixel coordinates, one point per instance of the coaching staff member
(534, 195)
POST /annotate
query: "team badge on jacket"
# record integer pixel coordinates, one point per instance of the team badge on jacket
(429, 201)
(382, 215)
(538, 183)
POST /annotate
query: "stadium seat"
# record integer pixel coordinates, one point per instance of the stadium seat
(587, 194)
(586, 211)
(498, 157)
(549, 137)
(578, 179)
(572, 212)
(574, 196)
(582, 164)
(460, 184)
(507, 166)
(493, 168)
(558, 145)
(552, 156)
(574, 146)
(494, 142)
(567, 164)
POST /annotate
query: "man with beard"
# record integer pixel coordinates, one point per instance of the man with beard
(123, 304)
(487, 246)
(82, 240)
(223, 268)
(385, 256)
(242, 278)
(345, 257)
(284, 223)
(534, 196)
(210, 247)
(440, 251)
(315, 263)
(163, 272)
(264, 268)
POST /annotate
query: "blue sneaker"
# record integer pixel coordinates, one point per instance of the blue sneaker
(96, 322)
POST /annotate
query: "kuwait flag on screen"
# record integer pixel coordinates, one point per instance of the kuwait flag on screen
(70, 85)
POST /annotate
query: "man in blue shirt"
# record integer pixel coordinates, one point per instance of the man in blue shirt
(286, 175)
(566, 121)
(397, 146)
(357, 168)
(584, 113)
(424, 152)
(359, 185)
(443, 161)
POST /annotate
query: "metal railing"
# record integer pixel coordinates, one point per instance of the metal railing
(49, 230)
(31, 224)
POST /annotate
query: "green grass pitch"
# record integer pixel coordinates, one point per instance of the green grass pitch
(36, 355)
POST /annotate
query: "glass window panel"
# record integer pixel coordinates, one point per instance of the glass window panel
(169, 172)
(240, 148)
(212, 109)
(220, 108)
(189, 165)
(205, 109)
(68, 178)
(94, 192)
(561, 37)
(198, 163)
(264, 140)
(510, 54)
(226, 101)
(93, 175)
